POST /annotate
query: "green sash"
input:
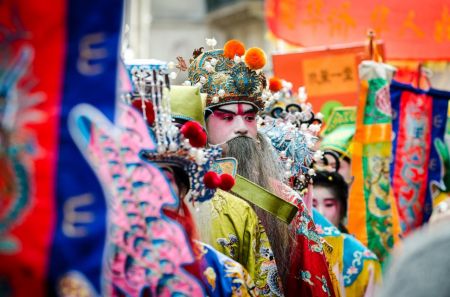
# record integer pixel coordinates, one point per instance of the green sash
(264, 199)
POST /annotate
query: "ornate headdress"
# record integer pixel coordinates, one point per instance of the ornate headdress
(230, 75)
(182, 146)
(282, 102)
(293, 132)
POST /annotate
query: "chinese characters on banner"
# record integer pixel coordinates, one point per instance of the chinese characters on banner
(410, 29)
(329, 75)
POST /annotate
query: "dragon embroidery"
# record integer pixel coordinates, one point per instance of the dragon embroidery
(18, 143)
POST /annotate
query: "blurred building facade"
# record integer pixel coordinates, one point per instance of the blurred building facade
(165, 29)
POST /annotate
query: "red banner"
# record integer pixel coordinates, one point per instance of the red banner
(420, 118)
(329, 75)
(32, 55)
(410, 29)
(53, 55)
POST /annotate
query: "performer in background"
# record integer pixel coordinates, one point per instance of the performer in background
(293, 127)
(360, 270)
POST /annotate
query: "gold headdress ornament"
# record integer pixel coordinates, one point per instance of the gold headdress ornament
(230, 75)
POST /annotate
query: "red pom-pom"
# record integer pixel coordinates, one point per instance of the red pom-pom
(275, 84)
(194, 132)
(149, 112)
(198, 140)
(212, 180)
(255, 58)
(190, 129)
(226, 181)
(233, 48)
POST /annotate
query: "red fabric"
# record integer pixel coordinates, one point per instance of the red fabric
(410, 179)
(185, 219)
(305, 259)
(149, 111)
(307, 255)
(42, 24)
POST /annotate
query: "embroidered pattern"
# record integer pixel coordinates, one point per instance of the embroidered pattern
(224, 276)
(239, 277)
(325, 288)
(354, 256)
(419, 121)
(311, 263)
(18, 143)
(268, 281)
(75, 284)
(371, 190)
(306, 277)
(230, 244)
(211, 277)
(269, 269)
(323, 227)
(146, 250)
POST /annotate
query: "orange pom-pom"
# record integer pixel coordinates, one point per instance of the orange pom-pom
(255, 58)
(233, 48)
(275, 84)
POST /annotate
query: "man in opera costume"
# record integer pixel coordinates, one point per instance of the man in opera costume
(235, 88)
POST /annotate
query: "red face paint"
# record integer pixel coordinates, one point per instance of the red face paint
(230, 121)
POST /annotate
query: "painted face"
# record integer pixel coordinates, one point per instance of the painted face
(230, 121)
(325, 202)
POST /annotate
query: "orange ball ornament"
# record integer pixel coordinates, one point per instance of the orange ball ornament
(233, 48)
(275, 84)
(255, 58)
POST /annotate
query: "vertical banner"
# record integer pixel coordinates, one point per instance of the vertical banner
(52, 216)
(372, 215)
(93, 34)
(419, 119)
(33, 45)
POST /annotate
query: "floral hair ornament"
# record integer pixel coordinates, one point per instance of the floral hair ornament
(176, 146)
(294, 136)
(229, 75)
